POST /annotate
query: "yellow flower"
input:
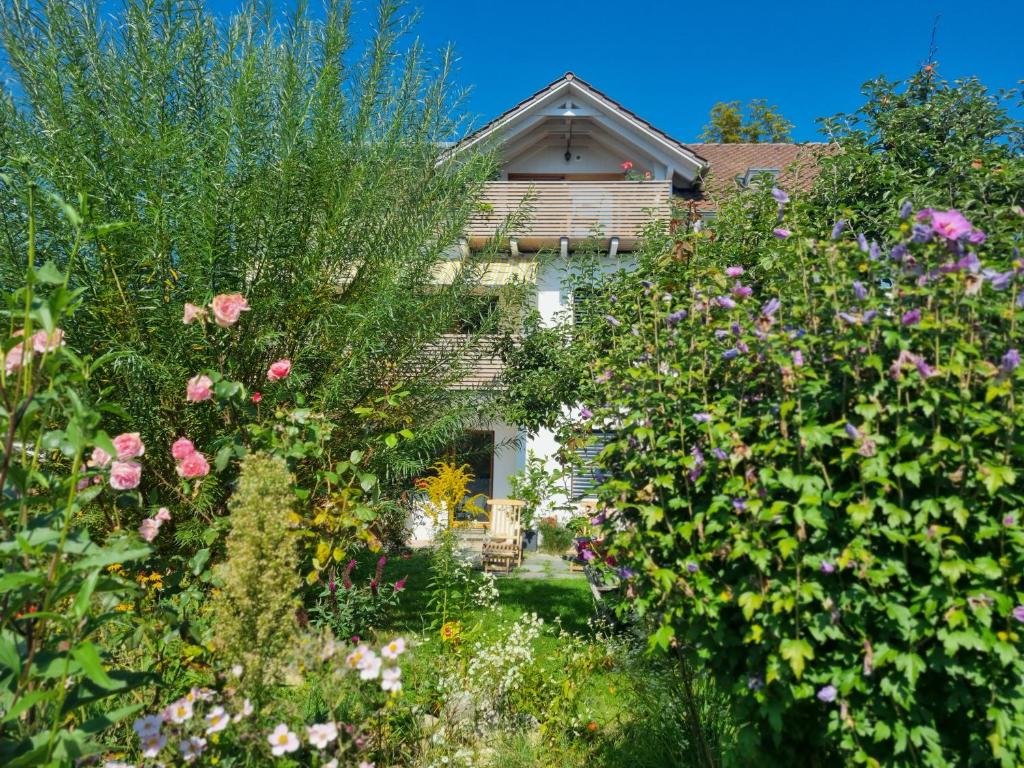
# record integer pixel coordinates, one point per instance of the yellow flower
(123, 607)
(451, 631)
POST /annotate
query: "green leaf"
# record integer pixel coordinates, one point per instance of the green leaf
(796, 652)
(49, 274)
(88, 657)
(81, 605)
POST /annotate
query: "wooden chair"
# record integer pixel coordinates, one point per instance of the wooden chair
(503, 547)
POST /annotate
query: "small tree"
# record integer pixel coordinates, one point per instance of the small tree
(729, 125)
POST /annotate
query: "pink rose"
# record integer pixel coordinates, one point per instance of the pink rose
(194, 465)
(149, 529)
(182, 448)
(627, 166)
(279, 370)
(100, 458)
(125, 475)
(227, 308)
(162, 515)
(129, 445)
(199, 388)
(193, 313)
(16, 358)
(44, 342)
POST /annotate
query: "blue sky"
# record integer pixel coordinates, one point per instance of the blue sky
(670, 61)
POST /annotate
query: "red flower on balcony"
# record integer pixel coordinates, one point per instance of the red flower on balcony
(627, 166)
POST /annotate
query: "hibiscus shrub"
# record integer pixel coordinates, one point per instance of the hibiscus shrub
(816, 488)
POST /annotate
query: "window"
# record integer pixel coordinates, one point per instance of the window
(586, 477)
(757, 175)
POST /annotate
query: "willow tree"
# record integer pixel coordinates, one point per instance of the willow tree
(278, 159)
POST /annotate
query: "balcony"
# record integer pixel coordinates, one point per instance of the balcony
(563, 212)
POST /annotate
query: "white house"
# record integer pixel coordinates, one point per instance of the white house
(565, 146)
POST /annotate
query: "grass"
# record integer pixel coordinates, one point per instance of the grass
(632, 701)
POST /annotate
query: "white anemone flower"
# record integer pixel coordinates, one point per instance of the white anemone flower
(149, 725)
(151, 745)
(217, 720)
(192, 748)
(245, 711)
(180, 711)
(390, 679)
(322, 734)
(369, 667)
(282, 740)
(394, 649)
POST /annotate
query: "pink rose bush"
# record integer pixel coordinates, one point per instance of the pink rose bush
(193, 313)
(191, 463)
(125, 475)
(227, 308)
(129, 445)
(151, 525)
(182, 448)
(199, 388)
(194, 465)
(279, 370)
(40, 343)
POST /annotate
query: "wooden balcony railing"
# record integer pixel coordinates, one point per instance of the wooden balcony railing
(570, 209)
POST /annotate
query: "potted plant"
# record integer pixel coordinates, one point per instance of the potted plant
(538, 488)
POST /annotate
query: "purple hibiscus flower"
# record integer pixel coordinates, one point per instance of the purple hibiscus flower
(951, 224)
(780, 195)
(719, 454)
(586, 413)
(920, 234)
(702, 418)
(911, 317)
(781, 232)
(828, 694)
(676, 317)
(725, 302)
(852, 431)
(1010, 361)
(827, 567)
(692, 567)
(1018, 613)
(798, 358)
(730, 354)
(899, 252)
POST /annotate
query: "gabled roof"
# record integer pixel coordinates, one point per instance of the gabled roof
(570, 82)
